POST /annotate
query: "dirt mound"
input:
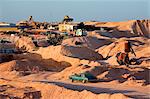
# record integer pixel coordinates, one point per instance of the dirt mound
(141, 27)
(21, 66)
(138, 44)
(89, 42)
(53, 52)
(29, 62)
(25, 43)
(47, 64)
(83, 47)
(80, 52)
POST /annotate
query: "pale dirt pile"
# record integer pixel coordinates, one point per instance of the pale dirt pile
(89, 41)
(80, 52)
(83, 47)
(48, 64)
(25, 43)
(135, 27)
(28, 62)
(140, 46)
(18, 65)
(21, 42)
(53, 52)
(55, 92)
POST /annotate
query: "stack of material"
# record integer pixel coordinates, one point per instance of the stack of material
(83, 47)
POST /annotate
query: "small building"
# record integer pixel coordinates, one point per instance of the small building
(68, 27)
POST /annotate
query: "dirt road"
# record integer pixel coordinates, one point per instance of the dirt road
(102, 87)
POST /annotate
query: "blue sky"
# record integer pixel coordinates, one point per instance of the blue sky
(80, 10)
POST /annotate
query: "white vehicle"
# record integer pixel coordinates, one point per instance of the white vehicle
(80, 32)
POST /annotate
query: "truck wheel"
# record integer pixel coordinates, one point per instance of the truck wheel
(84, 81)
(72, 80)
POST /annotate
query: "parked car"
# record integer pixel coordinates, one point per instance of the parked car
(83, 77)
